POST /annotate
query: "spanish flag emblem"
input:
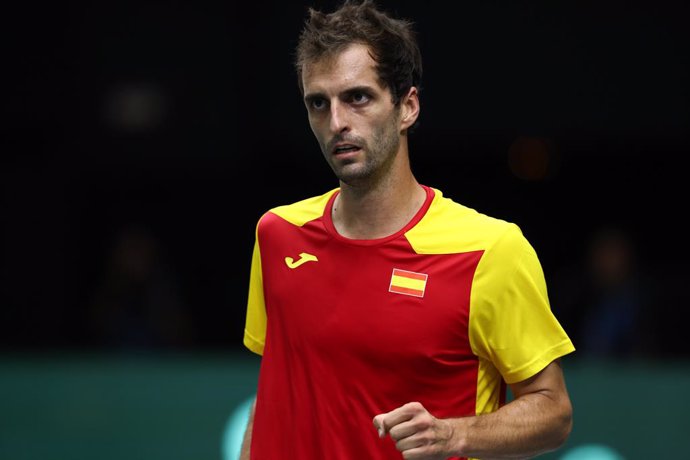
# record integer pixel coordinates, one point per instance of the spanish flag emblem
(408, 283)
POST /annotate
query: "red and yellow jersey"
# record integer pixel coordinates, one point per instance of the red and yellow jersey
(445, 312)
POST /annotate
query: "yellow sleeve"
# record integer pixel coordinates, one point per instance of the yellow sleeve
(255, 326)
(511, 322)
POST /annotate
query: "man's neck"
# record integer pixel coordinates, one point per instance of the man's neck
(377, 211)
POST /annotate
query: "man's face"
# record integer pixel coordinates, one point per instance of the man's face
(352, 115)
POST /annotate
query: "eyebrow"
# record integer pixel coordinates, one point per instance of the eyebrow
(349, 91)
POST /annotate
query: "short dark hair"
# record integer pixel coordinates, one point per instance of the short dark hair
(392, 42)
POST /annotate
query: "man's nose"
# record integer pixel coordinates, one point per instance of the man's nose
(339, 118)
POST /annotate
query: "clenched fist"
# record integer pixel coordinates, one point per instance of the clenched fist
(417, 434)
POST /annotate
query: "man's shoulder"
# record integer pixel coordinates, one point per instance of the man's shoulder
(300, 212)
(448, 212)
(449, 226)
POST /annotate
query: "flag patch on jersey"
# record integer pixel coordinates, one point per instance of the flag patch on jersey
(408, 283)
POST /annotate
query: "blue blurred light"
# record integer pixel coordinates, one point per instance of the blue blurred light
(592, 452)
(235, 428)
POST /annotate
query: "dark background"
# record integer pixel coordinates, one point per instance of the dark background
(175, 125)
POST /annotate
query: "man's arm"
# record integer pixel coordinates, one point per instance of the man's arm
(538, 420)
(247, 440)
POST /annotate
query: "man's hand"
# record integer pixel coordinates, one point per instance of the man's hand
(417, 434)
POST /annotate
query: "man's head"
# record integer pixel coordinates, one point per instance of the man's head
(358, 73)
(391, 42)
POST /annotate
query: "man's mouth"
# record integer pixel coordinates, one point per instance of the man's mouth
(342, 149)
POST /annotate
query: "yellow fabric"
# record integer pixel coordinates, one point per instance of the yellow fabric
(304, 211)
(511, 324)
(255, 325)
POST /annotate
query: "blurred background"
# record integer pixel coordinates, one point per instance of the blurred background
(142, 141)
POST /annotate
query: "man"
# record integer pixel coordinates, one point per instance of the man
(382, 301)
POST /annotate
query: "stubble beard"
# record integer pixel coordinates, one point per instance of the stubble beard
(378, 157)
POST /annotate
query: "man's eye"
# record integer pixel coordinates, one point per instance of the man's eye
(317, 104)
(359, 98)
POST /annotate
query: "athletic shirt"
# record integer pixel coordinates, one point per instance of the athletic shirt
(444, 312)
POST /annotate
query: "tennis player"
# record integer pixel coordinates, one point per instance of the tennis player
(390, 318)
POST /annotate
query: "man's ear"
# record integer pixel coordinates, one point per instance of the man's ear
(409, 110)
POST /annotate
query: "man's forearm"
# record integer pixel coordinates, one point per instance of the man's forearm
(528, 426)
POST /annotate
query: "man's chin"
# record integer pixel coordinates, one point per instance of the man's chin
(354, 180)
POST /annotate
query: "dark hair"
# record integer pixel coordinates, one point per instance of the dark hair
(392, 42)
